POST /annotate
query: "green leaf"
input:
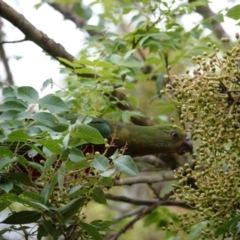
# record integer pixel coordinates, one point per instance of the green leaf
(61, 176)
(103, 64)
(8, 92)
(89, 134)
(46, 83)
(126, 165)
(72, 208)
(6, 160)
(151, 218)
(77, 165)
(19, 177)
(8, 115)
(76, 155)
(116, 59)
(52, 185)
(234, 12)
(6, 185)
(51, 145)
(49, 162)
(84, 71)
(218, 17)
(29, 203)
(37, 166)
(91, 230)
(5, 152)
(28, 94)
(42, 232)
(67, 62)
(45, 118)
(23, 217)
(106, 181)
(33, 196)
(4, 204)
(53, 103)
(132, 63)
(99, 196)
(100, 163)
(74, 189)
(13, 105)
(129, 53)
(18, 136)
(108, 173)
(228, 225)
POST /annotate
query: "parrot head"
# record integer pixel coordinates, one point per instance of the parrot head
(176, 140)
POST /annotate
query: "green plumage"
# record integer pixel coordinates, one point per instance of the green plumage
(143, 140)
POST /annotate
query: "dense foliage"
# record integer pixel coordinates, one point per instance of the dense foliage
(133, 44)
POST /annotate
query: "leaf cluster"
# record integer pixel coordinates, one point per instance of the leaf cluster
(43, 166)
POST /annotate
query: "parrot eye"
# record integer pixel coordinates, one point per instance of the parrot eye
(174, 135)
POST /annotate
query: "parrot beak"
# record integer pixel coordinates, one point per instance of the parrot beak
(186, 146)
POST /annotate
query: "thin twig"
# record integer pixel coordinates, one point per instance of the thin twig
(17, 41)
(146, 202)
(167, 176)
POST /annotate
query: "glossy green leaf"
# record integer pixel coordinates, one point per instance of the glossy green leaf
(29, 94)
(49, 162)
(7, 160)
(108, 173)
(91, 230)
(53, 103)
(72, 208)
(8, 92)
(51, 145)
(100, 163)
(126, 165)
(106, 181)
(77, 165)
(46, 83)
(61, 176)
(234, 12)
(19, 177)
(99, 196)
(18, 136)
(33, 196)
(5, 152)
(89, 134)
(45, 118)
(22, 217)
(13, 105)
(76, 155)
(6, 185)
(4, 203)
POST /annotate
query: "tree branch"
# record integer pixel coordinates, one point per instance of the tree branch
(56, 50)
(33, 34)
(167, 176)
(142, 214)
(5, 59)
(147, 202)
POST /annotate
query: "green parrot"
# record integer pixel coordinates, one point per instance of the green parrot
(137, 140)
(144, 140)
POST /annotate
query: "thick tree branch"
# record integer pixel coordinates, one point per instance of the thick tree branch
(167, 176)
(33, 34)
(206, 12)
